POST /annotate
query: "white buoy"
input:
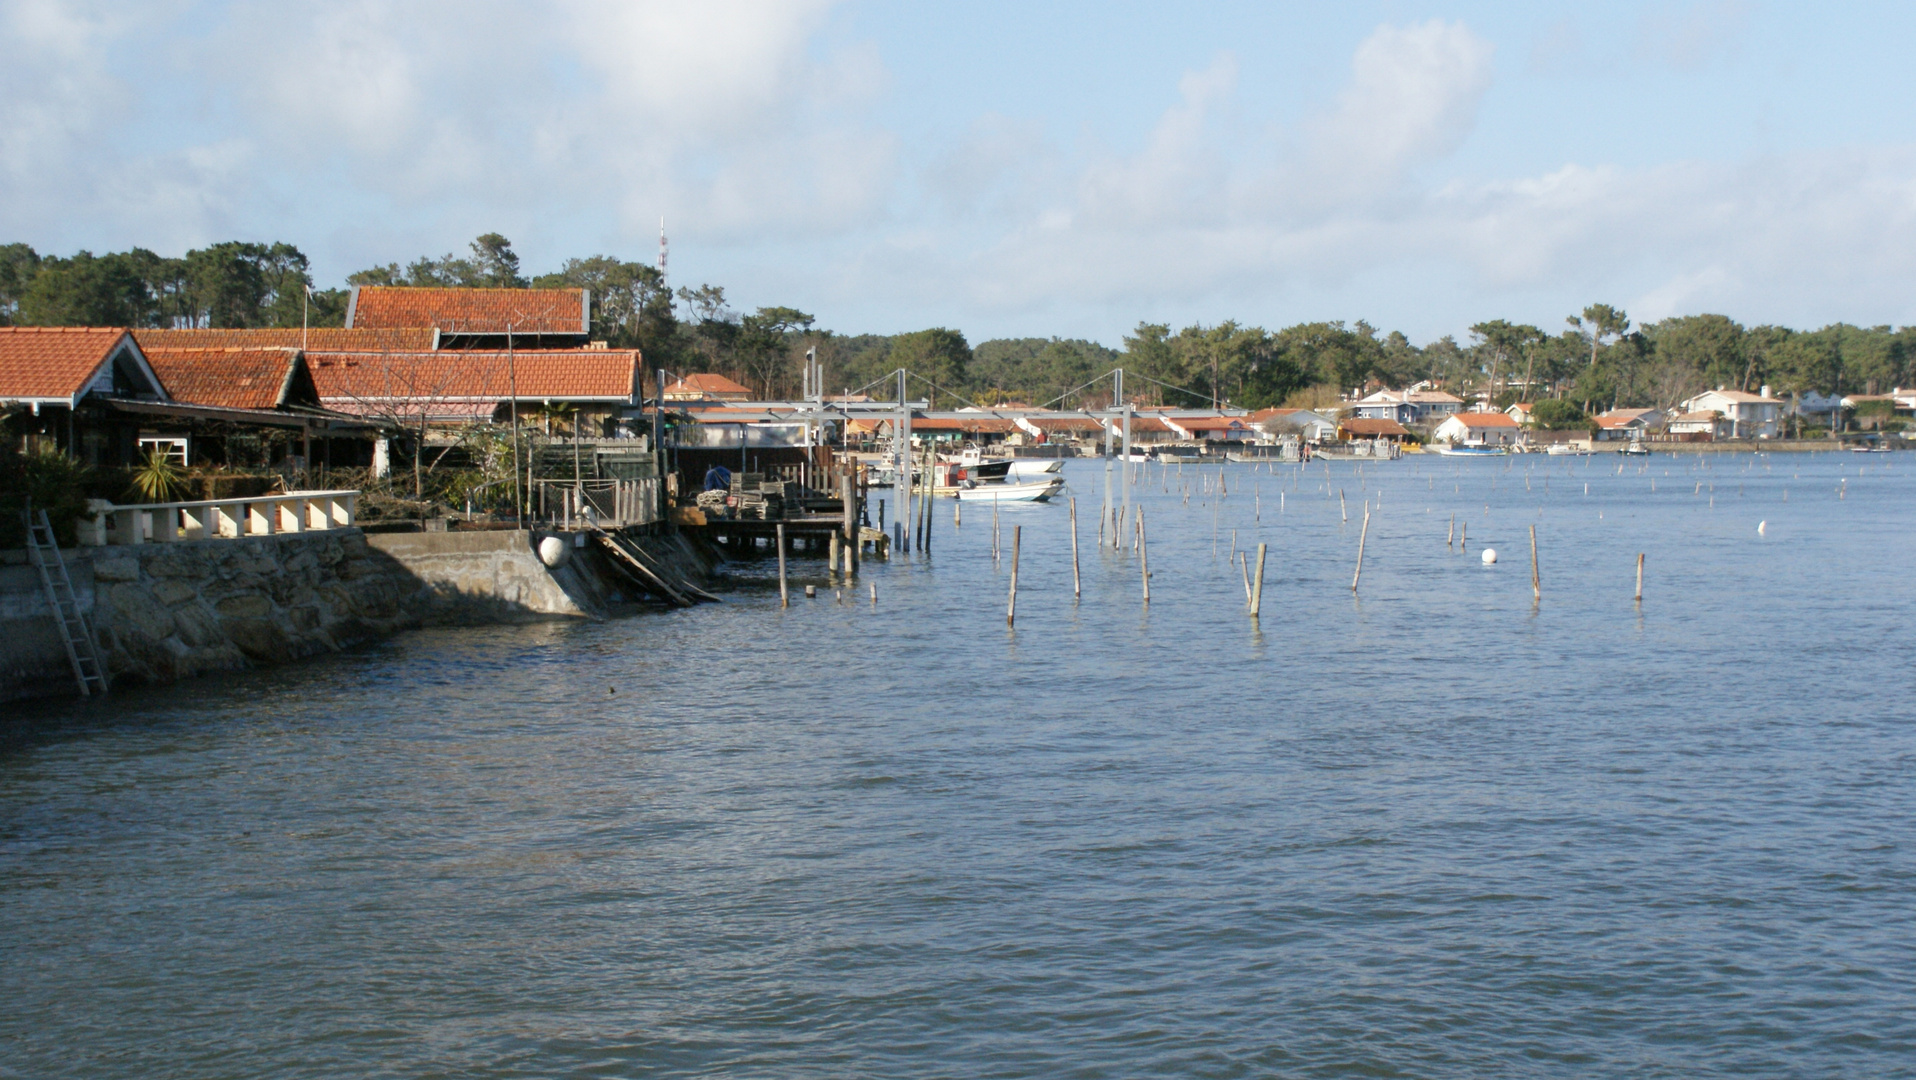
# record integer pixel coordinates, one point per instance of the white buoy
(1762, 528)
(1490, 556)
(554, 552)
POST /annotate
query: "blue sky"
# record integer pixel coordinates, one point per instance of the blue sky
(1010, 169)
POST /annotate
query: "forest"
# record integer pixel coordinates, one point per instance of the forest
(1597, 358)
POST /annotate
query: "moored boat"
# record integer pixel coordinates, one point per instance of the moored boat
(1031, 491)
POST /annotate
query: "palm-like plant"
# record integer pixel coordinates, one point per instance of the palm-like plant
(157, 478)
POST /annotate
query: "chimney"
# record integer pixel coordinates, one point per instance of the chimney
(1766, 389)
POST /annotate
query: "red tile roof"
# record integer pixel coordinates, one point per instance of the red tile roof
(1208, 423)
(1065, 423)
(1485, 419)
(328, 338)
(471, 311)
(707, 384)
(50, 363)
(1611, 422)
(1372, 427)
(227, 378)
(975, 424)
(1142, 424)
(353, 382)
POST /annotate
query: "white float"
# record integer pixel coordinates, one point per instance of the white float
(1490, 556)
(554, 552)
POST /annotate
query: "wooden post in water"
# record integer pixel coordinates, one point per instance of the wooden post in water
(784, 597)
(1536, 583)
(994, 528)
(848, 492)
(1144, 558)
(1011, 609)
(1077, 587)
(1639, 579)
(1463, 537)
(1450, 538)
(1361, 536)
(1244, 571)
(831, 561)
(1341, 507)
(1257, 583)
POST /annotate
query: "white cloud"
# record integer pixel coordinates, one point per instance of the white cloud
(1413, 98)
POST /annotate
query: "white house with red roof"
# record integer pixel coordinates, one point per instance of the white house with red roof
(1749, 416)
(1478, 429)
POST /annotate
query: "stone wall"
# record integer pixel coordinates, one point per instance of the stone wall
(165, 612)
(171, 611)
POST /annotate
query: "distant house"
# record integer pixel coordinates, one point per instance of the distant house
(707, 386)
(1750, 416)
(1625, 424)
(1303, 423)
(1210, 428)
(1064, 427)
(1361, 427)
(1522, 412)
(1478, 429)
(1701, 425)
(1407, 406)
(980, 428)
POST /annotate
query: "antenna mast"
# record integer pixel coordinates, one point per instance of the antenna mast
(661, 247)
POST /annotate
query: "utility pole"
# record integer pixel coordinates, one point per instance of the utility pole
(512, 388)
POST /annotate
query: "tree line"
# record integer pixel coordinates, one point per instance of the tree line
(1597, 359)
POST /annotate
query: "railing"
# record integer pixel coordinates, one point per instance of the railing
(606, 503)
(258, 515)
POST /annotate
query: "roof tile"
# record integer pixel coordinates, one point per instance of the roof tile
(471, 311)
(42, 362)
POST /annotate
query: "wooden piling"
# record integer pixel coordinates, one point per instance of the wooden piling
(1341, 507)
(1450, 538)
(1361, 536)
(1244, 571)
(1463, 537)
(1536, 583)
(784, 596)
(847, 492)
(1077, 587)
(1257, 583)
(1144, 557)
(1639, 579)
(1011, 609)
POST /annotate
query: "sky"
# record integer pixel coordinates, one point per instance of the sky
(1007, 168)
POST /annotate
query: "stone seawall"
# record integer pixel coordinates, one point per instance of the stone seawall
(171, 611)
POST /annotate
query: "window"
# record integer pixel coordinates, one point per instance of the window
(173, 448)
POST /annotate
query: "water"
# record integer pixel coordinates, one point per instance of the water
(1433, 830)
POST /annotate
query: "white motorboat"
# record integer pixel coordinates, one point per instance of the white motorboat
(1034, 468)
(1009, 492)
(1453, 450)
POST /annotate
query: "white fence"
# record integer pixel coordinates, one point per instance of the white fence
(258, 515)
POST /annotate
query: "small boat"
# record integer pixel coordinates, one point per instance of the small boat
(1453, 450)
(1565, 450)
(1034, 491)
(1136, 458)
(1634, 448)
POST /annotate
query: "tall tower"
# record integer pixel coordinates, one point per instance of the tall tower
(661, 247)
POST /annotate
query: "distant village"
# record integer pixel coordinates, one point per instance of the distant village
(420, 379)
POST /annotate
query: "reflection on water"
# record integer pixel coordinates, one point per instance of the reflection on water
(1431, 829)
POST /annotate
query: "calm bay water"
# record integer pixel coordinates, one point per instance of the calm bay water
(1431, 831)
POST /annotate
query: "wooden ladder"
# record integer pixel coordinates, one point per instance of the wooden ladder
(83, 645)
